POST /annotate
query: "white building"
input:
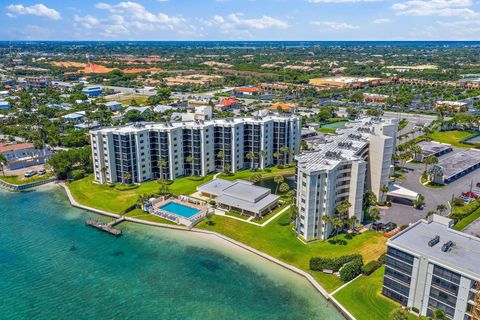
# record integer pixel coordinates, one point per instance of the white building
(430, 266)
(191, 147)
(358, 158)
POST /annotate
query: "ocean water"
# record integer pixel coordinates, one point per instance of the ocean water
(148, 273)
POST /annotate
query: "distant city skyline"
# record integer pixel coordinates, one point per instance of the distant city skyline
(240, 20)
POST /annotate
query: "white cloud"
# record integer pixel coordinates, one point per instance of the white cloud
(445, 8)
(381, 21)
(235, 23)
(337, 26)
(39, 10)
(340, 1)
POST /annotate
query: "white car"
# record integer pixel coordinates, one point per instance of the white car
(30, 173)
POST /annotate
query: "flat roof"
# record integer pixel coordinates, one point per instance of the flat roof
(246, 191)
(256, 207)
(459, 162)
(463, 256)
(215, 187)
(433, 147)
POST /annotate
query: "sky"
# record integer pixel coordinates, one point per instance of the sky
(320, 20)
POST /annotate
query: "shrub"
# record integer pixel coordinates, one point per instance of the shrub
(334, 264)
(284, 220)
(351, 270)
(370, 267)
(197, 178)
(76, 174)
(415, 309)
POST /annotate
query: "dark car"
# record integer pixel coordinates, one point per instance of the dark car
(377, 226)
(389, 226)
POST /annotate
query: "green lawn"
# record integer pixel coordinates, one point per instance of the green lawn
(462, 224)
(363, 298)
(110, 199)
(281, 242)
(271, 214)
(451, 137)
(326, 130)
(19, 180)
(237, 215)
(268, 173)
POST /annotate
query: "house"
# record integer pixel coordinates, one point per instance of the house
(284, 107)
(241, 196)
(162, 108)
(4, 105)
(23, 155)
(143, 110)
(41, 82)
(92, 91)
(375, 97)
(87, 125)
(113, 105)
(75, 116)
(200, 113)
(247, 91)
(227, 104)
(451, 106)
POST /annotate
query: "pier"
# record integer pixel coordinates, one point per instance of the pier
(106, 227)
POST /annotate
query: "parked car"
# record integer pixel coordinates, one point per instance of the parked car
(377, 226)
(30, 173)
(389, 226)
(42, 172)
(478, 184)
(470, 194)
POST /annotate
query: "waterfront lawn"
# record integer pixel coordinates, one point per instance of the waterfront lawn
(281, 242)
(453, 137)
(104, 197)
(19, 180)
(142, 215)
(270, 214)
(363, 298)
(266, 174)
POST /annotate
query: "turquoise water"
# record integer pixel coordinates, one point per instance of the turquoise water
(148, 273)
(180, 209)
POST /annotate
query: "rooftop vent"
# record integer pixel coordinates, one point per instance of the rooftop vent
(354, 136)
(345, 144)
(335, 155)
(434, 241)
(447, 246)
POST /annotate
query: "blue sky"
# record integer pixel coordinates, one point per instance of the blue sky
(240, 20)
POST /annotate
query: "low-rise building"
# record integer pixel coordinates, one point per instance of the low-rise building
(92, 91)
(75, 116)
(4, 105)
(431, 266)
(375, 98)
(451, 106)
(23, 155)
(247, 91)
(114, 105)
(346, 82)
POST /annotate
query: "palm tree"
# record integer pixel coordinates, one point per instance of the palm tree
(127, 176)
(277, 156)
(161, 164)
(374, 214)
(441, 208)
(416, 149)
(104, 172)
(3, 162)
(227, 167)
(285, 150)
(250, 156)
(431, 160)
(384, 189)
(284, 187)
(342, 208)
(278, 180)
(189, 160)
(221, 155)
(398, 314)
(262, 154)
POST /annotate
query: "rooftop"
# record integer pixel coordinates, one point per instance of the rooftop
(433, 147)
(464, 255)
(459, 162)
(15, 147)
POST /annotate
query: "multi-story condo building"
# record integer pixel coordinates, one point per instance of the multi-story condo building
(430, 266)
(144, 151)
(356, 159)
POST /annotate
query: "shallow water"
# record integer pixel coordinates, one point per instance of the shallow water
(148, 273)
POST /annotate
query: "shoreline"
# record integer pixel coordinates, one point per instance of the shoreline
(221, 238)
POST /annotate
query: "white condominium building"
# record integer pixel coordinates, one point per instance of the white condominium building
(145, 151)
(358, 158)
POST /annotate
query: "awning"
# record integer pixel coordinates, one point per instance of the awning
(401, 192)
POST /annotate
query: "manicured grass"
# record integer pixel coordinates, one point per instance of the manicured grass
(462, 224)
(451, 137)
(110, 199)
(237, 215)
(268, 173)
(326, 130)
(142, 215)
(19, 180)
(281, 242)
(334, 125)
(363, 298)
(271, 214)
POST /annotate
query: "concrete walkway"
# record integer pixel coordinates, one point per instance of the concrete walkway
(298, 271)
(249, 220)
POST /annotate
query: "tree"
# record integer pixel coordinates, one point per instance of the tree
(430, 213)
(303, 145)
(256, 177)
(104, 172)
(227, 167)
(250, 156)
(221, 155)
(277, 156)
(342, 208)
(430, 160)
(127, 176)
(164, 93)
(441, 208)
(416, 149)
(161, 164)
(374, 214)
(352, 112)
(164, 189)
(261, 155)
(369, 199)
(189, 160)
(384, 189)
(398, 314)
(284, 187)
(439, 314)
(3, 163)
(278, 180)
(419, 202)
(285, 150)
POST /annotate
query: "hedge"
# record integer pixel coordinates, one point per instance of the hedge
(461, 213)
(126, 187)
(370, 267)
(76, 174)
(351, 270)
(334, 264)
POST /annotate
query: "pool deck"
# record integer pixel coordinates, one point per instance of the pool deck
(158, 205)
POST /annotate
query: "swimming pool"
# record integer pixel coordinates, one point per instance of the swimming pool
(180, 209)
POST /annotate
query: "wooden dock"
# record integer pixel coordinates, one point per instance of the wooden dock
(106, 227)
